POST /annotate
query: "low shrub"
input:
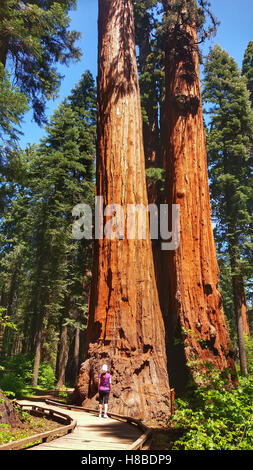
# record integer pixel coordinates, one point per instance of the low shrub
(214, 416)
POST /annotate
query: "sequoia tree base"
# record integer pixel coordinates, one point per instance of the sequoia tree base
(136, 387)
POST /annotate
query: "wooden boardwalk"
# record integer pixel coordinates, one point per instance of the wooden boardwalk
(91, 432)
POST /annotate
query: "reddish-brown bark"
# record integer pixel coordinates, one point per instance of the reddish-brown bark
(125, 326)
(191, 299)
(241, 319)
(240, 304)
(8, 414)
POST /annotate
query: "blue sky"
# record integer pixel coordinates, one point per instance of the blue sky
(234, 34)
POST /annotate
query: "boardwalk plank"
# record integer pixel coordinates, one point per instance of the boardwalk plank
(91, 432)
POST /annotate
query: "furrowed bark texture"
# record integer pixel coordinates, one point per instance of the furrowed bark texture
(8, 414)
(193, 309)
(152, 147)
(125, 326)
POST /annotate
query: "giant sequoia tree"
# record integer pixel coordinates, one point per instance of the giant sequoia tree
(125, 327)
(191, 299)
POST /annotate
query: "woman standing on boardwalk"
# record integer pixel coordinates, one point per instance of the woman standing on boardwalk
(104, 390)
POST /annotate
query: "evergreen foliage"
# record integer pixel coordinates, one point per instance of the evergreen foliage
(45, 272)
(13, 104)
(247, 69)
(34, 36)
(229, 142)
(214, 417)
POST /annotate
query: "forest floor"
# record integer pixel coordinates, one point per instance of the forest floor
(30, 426)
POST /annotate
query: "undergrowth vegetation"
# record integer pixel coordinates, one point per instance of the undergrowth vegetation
(213, 416)
(17, 372)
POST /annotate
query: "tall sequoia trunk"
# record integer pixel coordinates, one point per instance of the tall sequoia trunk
(125, 326)
(191, 300)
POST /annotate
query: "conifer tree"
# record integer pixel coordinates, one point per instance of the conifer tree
(247, 69)
(34, 37)
(51, 267)
(13, 104)
(229, 140)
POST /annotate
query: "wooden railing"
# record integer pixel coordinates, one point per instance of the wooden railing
(70, 424)
(54, 415)
(137, 445)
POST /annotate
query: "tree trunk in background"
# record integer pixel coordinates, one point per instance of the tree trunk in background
(191, 300)
(76, 355)
(3, 51)
(37, 357)
(1, 339)
(245, 318)
(151, 126)
(63, 356)
(241, 320)
(125, 326)
(240, 303)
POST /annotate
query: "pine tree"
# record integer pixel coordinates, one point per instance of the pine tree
(52, 267)
(247, 69)
(66, 157)
(34, 36)
(13, 105)
(229, 140)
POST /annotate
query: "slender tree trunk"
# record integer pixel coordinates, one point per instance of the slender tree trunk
(63, 356)
(239, 306)
(244, 314)
(1, 339)
(76, 355)
(3, 51)
(125, 327)
(37, 357)
(4, 39)
(191, 300)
